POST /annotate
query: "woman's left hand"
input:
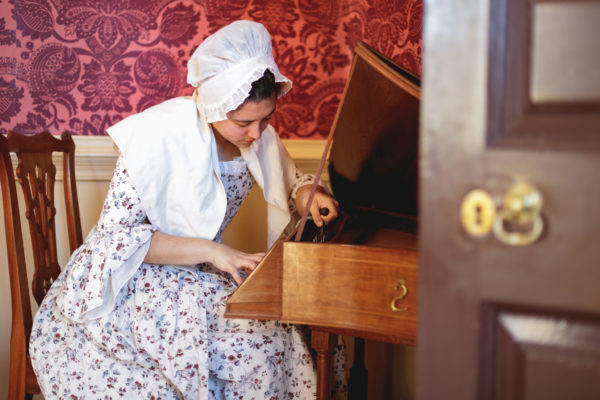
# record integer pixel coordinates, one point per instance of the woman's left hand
(321, 200)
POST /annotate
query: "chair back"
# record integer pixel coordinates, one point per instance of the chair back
(36, 174)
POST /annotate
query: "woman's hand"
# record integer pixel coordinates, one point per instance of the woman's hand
(320, 201)
(230, 260)
(167, 249)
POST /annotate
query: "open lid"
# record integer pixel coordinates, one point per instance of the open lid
(374, 154)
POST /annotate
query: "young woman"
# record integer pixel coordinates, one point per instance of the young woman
(138, 310)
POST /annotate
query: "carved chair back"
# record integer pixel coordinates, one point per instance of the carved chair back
(36, 173)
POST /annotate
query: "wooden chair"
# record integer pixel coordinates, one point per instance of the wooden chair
(36, 173)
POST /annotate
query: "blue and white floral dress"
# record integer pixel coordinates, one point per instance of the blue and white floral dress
(112, 326)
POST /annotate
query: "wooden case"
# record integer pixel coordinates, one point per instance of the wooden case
(363, 281)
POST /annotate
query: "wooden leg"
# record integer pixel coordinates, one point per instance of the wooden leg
(323, 343)
(357, 384)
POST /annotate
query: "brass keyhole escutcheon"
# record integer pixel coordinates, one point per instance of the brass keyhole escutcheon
(478, 213)
(401, 285)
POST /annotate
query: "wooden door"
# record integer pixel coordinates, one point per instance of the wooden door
(511, 94)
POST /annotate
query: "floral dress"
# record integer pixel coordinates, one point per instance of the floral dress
(112, 326)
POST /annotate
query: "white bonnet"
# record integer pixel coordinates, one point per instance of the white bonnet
(226, 64)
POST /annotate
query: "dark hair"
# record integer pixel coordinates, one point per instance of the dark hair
(264, 87)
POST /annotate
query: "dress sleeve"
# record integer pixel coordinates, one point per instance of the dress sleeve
(112, 252)
(300, 180)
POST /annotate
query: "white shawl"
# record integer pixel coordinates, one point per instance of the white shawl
(171, 157)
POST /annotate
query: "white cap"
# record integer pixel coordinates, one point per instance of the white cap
(226, 64)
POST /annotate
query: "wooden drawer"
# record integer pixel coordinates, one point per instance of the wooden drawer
(351, 288)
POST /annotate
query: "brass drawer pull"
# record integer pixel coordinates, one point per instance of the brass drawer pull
(401, 285)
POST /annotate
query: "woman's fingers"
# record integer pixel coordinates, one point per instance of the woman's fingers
(316, 214)
(333, 211)
(246, 262)
(257, 257)
(236, 276)
(233, 261)
(321, 202)
(252, 260)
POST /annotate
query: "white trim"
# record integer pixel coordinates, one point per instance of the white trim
(95, 156)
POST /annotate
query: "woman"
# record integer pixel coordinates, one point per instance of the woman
(138, 310)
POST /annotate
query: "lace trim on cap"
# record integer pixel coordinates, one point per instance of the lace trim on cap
(218, 112)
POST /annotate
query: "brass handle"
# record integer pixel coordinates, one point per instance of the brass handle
(521, 213)
(401, 285)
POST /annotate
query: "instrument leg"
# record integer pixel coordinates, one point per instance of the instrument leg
(357, 384)
(323, 343)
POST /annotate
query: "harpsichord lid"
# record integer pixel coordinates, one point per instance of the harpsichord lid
(374, 154)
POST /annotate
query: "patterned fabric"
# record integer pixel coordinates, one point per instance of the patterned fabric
(82, 66)
(160, 332)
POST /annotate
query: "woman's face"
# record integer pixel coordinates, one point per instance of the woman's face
(245, 124)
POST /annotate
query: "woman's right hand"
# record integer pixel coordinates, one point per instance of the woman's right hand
(230, 260)
(167, 249)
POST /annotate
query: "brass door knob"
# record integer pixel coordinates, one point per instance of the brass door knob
(519, 221)
(516, 222)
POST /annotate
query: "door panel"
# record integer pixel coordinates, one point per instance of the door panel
(511, 94)
(563, 31)
(540, 355)
(544, 86)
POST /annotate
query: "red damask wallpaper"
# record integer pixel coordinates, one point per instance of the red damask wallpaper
(82, 65)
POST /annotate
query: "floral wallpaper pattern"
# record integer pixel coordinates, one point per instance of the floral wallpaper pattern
(83, 65)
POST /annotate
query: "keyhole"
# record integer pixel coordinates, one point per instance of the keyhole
(478, 214)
